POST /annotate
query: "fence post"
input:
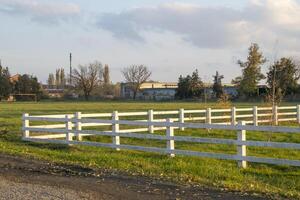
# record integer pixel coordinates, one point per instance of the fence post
(170, 133)
(78, 125)
(208, 115)
(25, 125)
(150, 119)
(69, 136)
(275, 115)
(242, 149)
(298, 114)
(115, 129)
(255, 117)
(233, 116)
(181, 118)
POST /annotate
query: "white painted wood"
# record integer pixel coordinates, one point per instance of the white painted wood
(298, 114)
(221, 117)
(181, 118)
(132, 114)
(243, 109)
(255, 117)
(233, 116)
(150, 119)
(287, 107)
(208, 115)
(26, 133)
(220, 110)
(287, 114)
(96, 115)
(287, 119)
(244, 116)
(275, 115)
(170, 135)
(60, 131)
(170, 112)
(69, 125)
(264, 108)
(78, 125)
(116, 129)
(241, 149)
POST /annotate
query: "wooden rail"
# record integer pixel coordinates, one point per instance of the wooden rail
(70, 130)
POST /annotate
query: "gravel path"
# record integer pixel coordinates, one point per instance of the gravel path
(35, 180)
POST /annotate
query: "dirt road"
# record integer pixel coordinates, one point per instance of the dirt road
(30, 179)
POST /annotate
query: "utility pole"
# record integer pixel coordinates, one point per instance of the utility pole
(70, 68)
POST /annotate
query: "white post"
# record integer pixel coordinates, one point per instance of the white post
(298, 114)
(275, 115)
(242, 149)
(181, 118)
(208, 115)
(78, 125)
(255, 117)
(233, 116)
(25, 125)
(170, 133)
(150, 119)
(69, 136)
(115, 129)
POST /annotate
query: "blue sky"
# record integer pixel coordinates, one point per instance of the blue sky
(170, 37)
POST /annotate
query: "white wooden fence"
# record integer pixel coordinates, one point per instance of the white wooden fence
(70, 130)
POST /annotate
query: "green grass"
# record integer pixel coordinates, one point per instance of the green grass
(277, 181)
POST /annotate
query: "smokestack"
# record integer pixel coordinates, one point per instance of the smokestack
(70, 68)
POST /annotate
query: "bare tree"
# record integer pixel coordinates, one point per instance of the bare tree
(87, 77)
(135, 76)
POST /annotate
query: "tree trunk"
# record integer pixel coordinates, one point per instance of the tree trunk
(134, 94)
(86, 96)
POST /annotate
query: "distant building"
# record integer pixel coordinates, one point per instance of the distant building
(151, 91)
(54, 91)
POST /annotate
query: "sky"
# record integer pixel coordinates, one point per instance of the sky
(170, 37)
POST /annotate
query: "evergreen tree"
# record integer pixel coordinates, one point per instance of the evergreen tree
(51, 80)
(217, 86)
(62, 77)
(57, 77)
(247, 83)
(189, 86)
(5, 84)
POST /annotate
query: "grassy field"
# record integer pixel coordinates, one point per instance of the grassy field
(277, 181)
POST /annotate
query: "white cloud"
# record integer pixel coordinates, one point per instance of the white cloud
(211, 27)
(44, 12)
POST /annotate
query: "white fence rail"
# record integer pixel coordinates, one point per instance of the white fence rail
(70, 130)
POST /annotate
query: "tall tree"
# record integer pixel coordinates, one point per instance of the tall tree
(62, 77)
(196, 85)
(247, 83)
(189, 86)
(57, 77)
(217, 86)
(51, 80)
(106, 76)
(282, 78)
(135, 76)
(5, 84)
(87, 77)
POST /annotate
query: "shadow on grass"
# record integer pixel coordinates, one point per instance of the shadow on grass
(17, 140)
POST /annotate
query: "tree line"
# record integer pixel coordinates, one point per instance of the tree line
(94, 80)
(282, 79)
(24, 87)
